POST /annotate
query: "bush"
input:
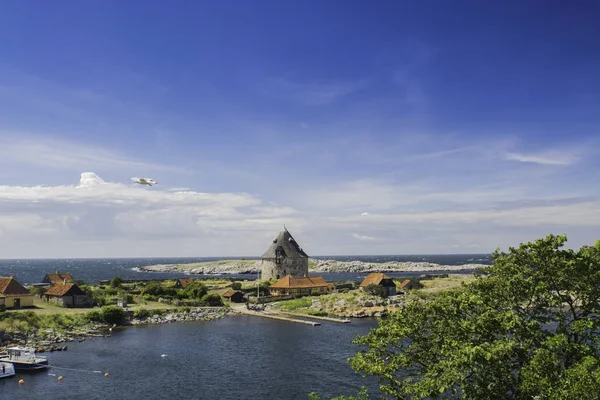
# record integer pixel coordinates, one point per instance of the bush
(212, 300)
(236, 285)
(93, 316)
(113, 314)
(156, 290)
(195, 290)
(376, 290)
(141, 314)
(116, 282)
(318, 313)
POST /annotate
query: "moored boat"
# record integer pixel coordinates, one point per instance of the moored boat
(6, 370)
(24, 358)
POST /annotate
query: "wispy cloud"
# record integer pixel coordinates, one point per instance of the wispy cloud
(62, 154)
(547, 158)
(309, 93)
(362, 237)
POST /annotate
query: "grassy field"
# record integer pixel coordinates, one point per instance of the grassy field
(44, 307)
(435, 286)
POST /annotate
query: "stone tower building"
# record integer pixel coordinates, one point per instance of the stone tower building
(284, 257)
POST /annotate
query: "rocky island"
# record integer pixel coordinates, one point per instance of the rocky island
(329, 266)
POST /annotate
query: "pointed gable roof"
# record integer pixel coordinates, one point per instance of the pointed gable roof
(185, 281)
(374, 278)
(10, 286)
(58, 277)
(62, 289)
(290, 247)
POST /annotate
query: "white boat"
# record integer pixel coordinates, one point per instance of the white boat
(24, 358)
(6, 370)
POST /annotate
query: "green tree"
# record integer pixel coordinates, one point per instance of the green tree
(376, 290)
(528, 327)
(116, 282)
(195, 290)
(236, 285)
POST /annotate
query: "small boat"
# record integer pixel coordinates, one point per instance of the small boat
(24, 358)
(6, 370)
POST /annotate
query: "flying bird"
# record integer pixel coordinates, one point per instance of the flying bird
(144, 181)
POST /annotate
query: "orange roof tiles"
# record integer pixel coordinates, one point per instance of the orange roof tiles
(185, 282)
(374, 278)
(61, 289)
(290, 282)
(54, 278)
(11, 286)
(404, 283)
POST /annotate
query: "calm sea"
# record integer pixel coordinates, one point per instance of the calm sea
(238, 357)
(94, 270)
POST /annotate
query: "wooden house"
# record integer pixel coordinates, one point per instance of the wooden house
(407, 284)
(182, 283)
(15, 294)
(300, 286)
(380, 279)
(58, 278)
(235, 296)
(67, 295)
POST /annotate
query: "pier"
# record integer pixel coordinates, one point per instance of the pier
(280, 318)
(339, 321)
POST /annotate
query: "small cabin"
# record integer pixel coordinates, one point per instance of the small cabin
(380, 279)
(14, 294)
(58, 277)
(235, 296)
(407, 284)
(67, 295)
(182, 283)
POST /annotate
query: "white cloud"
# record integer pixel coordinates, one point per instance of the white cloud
(362, 237)
(99, 211)
(548, 158)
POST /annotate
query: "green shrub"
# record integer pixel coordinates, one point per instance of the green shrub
(236, 285)
(376, 290)
(141, 313)
(155, 289)
(93, 316)
(113, 314)
(195, 290)
(116, 282)
(212, 300)
(317, 313)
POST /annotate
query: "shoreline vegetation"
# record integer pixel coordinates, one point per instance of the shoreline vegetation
(47, 326)
(243, 266)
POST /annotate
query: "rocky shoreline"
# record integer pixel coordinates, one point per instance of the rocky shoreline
(328, 266)
(49, 340)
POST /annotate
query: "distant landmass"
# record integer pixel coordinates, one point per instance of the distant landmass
(328, 266)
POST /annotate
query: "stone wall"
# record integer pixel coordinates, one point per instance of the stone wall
(289, 266)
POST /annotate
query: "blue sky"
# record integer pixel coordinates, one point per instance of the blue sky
(368, 128)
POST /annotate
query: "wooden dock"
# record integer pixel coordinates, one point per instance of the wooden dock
(280, 318)
(339, 321)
